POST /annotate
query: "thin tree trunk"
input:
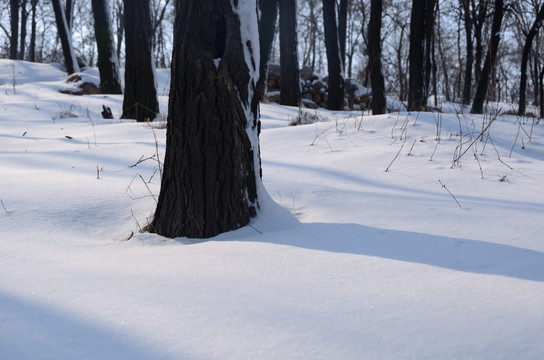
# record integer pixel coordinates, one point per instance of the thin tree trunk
(478, 27)
(467, 86)
(14, 22)
(108, 65)
(120, 27)
(65, 38)
(32, 46)
(342, 27)
(69, 10)
(375, 58)
(211, 176)
(267, 26)
(140, 101)
(525, 57)
(334, 64)
(489, 65)
(430, 10)
(417, 100)
(24, 18)
(289, 72)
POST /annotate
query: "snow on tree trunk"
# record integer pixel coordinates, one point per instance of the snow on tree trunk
(108, 65)
(211, 181)
(65, 38)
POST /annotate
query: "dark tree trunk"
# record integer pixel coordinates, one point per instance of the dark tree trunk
(32, 46)
(108, 66)
(430, 11)
(140, 100)
(24, 18)
(525, 57)
(467, 86)
(120, 28)
(267, 26)
(68, 11)
(289, 73)
(417, 100)
(541, 86)
(489, 65)
(478, 27)
(212, 166)
(375, 58)
(342, 26)
(14, 23)
(65, 38)
(334, 65)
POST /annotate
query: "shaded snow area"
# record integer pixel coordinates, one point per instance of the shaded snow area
(427, 260)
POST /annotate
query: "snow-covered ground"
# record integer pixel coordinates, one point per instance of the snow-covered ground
(423, 261)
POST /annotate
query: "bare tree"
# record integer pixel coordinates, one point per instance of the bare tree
(525, 57)
(14, 22)
(334, 63)
(267, 24)
(489, 64)
(140, 101)
(289, 73)
(375, 58)
(65, 38)
(108, 65)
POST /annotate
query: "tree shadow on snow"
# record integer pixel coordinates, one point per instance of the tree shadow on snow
(29, 330)
(473, 256)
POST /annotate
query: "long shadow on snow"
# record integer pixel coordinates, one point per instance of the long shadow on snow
(473, 256)
(29, 330)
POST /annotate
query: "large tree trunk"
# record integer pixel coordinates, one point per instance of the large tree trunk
(108, 65)
(489, 65)
(211, 176)
(267, 26)
(14, 23)
(525, 57)
(140, 101)
(334, 64)
(375, 58)
(289, 73)
(65, 38)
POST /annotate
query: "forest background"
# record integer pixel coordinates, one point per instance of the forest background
(461, 35)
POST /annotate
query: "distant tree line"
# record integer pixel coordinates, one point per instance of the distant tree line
(420, 51)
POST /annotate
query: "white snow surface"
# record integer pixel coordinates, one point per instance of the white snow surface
(348, 261)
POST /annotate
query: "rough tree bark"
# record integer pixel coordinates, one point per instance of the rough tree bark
(489, 64)
(375, 58)
(525, 57)
(211, 173)
(65, 38)
(14, 25)
(108, 65)
(267, 26)
(289, 73)
(334, 64)
(140, 101)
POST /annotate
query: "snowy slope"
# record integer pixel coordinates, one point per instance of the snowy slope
(357, 263)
